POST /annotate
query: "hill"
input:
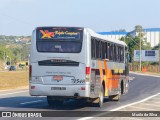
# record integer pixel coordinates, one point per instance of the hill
(14, 49)
(14, 39)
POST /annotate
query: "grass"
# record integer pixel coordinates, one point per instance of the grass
(13, 79)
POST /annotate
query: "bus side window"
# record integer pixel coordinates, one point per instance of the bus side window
(119, 53)
(122, 54)
(100, 49)
(115, 51)
(93, 48)
(111, 51)
(117, 59)
(108, 51)
(97, 49)
(103, 50)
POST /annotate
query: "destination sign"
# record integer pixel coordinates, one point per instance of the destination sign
(59, 34)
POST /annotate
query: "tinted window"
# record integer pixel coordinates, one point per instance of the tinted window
(93, 48)
(59, 40)
(111, 48)
(97, 49)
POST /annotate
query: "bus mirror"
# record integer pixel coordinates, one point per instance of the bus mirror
(130, 58)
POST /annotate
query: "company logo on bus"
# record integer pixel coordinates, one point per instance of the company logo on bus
(46, 34)
(58, 78)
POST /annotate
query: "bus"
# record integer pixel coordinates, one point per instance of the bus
(76, 62)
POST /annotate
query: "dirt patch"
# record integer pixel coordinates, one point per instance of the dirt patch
(13, 80)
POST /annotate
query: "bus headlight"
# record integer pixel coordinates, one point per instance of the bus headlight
(36, 80)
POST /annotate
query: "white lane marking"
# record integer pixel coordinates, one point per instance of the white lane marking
(156, 99)
(144, 74)
(116, 109)
(126, 118)
(13, 93)
(142, 108)
(131, 78)
(110, 118)
(31, 102)
(132, 118)
(86, 118)
(151, 104)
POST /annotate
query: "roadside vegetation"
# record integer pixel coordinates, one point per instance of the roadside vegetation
(133, 43)
(14, 49)
(13, 79)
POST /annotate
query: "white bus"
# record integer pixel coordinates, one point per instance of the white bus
(76, 62)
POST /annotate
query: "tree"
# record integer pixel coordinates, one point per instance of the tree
(138, 28)
(156, 47)
(133, 42)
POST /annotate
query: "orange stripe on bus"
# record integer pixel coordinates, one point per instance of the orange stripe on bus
(100, 70)
(106, 80)
(108, 73)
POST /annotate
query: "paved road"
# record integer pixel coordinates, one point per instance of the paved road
(19, 100)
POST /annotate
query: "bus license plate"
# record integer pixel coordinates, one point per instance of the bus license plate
(58, 88)
(58, 77)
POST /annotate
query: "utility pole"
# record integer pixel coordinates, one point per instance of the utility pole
(140, 54)
(139, 30)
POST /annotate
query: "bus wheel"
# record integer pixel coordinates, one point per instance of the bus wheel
(115, 97)
(101, 97)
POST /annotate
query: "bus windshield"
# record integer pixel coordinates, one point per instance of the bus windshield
(59, 40)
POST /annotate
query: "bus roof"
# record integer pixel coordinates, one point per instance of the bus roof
(94, 34)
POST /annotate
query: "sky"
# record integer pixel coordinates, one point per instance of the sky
(20, 17)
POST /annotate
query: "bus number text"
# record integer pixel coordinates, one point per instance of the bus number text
(78, 81)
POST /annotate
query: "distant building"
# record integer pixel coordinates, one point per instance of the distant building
(151, 35)
(114, 35)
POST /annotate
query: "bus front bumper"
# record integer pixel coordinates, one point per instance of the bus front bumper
(60, 90)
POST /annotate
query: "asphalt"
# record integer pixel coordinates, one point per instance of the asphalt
(140, 88)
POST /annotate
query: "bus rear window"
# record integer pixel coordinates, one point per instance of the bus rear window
(59, 40)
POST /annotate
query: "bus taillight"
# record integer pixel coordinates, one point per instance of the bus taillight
(87, 73)
(87, 70)
(30, 71)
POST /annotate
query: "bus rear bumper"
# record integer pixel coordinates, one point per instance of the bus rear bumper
(60, 90)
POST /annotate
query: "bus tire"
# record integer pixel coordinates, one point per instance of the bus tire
(115, 97)
(118, 96)
(101, 97)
